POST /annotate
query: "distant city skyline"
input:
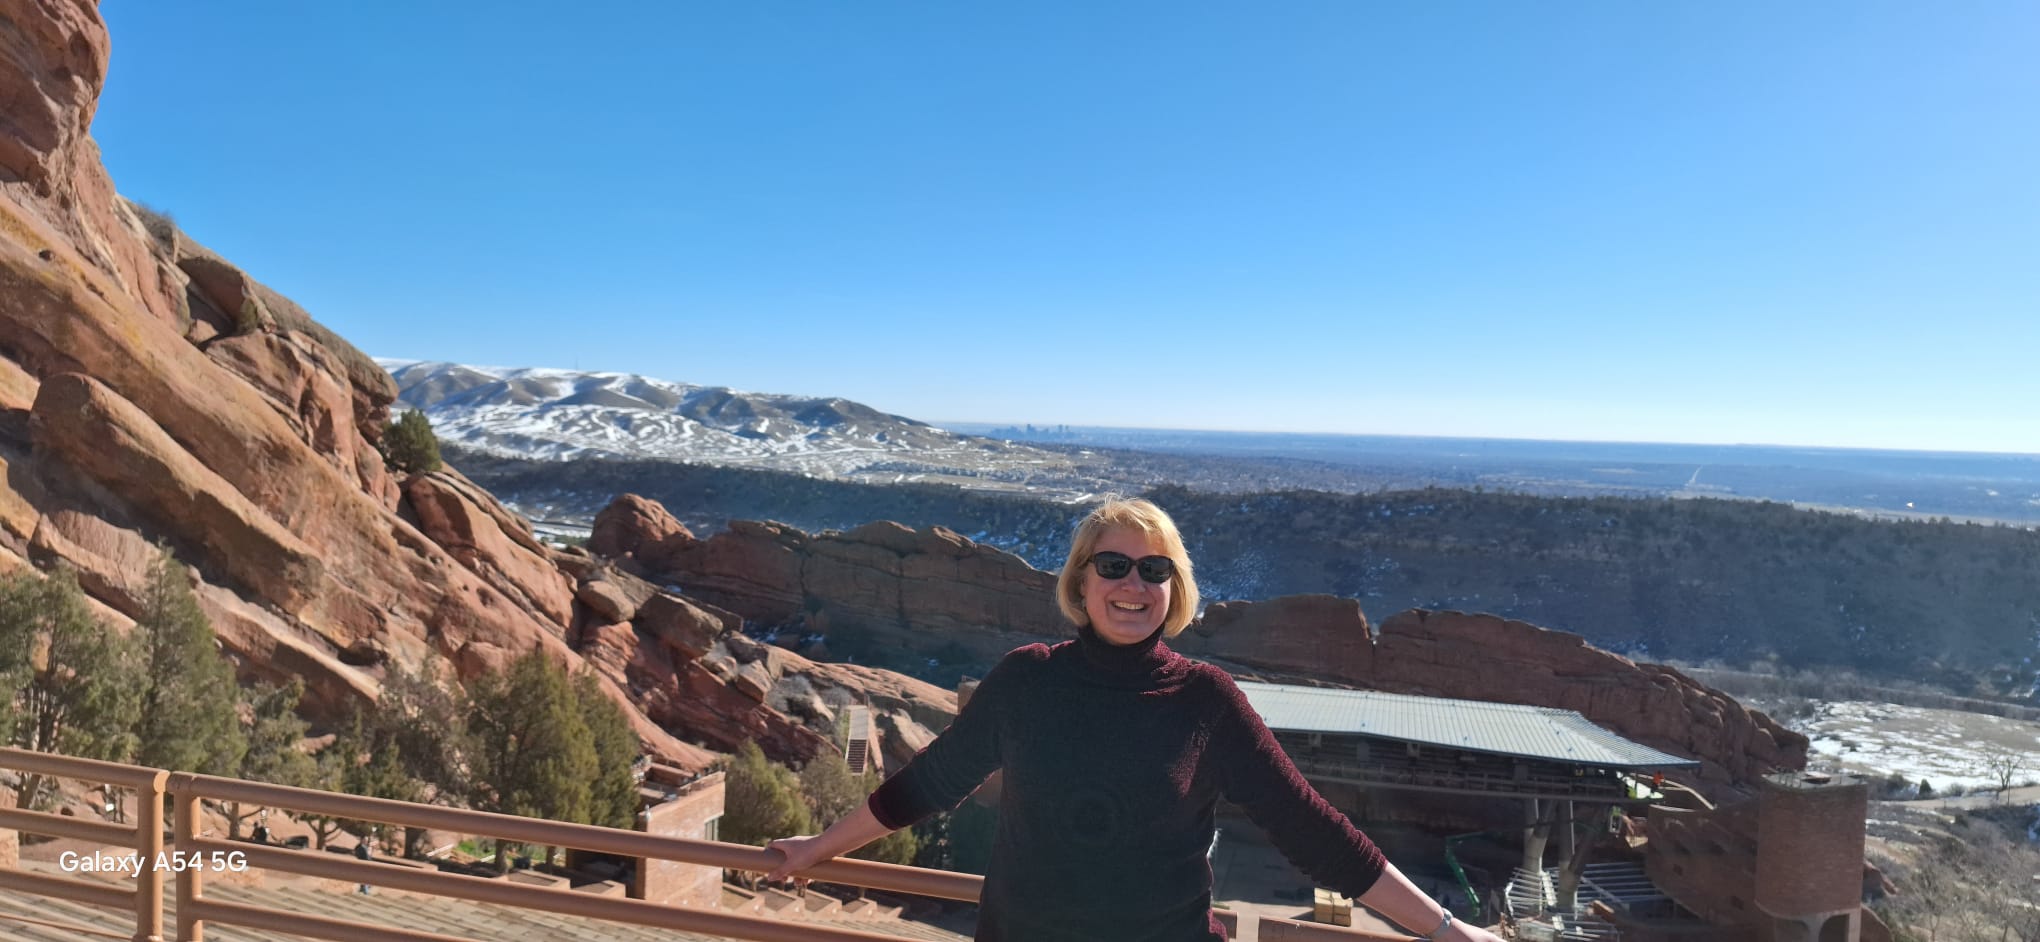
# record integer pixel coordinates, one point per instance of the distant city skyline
(1812, 225)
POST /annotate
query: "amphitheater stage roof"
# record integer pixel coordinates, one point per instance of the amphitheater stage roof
(1508, 729)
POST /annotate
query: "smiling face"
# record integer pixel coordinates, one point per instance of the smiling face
(1127, 610)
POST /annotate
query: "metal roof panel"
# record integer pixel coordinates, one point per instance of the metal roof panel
(1474, 725)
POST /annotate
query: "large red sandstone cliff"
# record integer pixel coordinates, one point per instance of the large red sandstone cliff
(152, 392)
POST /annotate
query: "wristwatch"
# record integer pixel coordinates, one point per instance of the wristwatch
(1443, 924)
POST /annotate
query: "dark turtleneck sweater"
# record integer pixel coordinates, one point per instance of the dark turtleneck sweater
(1114, 759)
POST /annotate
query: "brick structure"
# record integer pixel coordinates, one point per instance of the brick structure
(1784, 867)
(1810, 856)
(1707, 861)
(692, 812)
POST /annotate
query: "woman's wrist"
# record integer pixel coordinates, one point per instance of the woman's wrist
(1444, 923)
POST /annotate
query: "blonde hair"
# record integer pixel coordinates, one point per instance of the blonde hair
(1149, 519)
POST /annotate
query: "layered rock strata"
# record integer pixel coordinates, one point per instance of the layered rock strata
(687, 662)
(926, 590)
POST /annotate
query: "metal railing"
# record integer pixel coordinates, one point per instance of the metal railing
(145, 837)
(192, 851)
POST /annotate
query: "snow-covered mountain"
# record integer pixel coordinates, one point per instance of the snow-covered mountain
(564, 414)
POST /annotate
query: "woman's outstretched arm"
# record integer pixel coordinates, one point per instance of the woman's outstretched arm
(1315, 836)
(861, 827)
(1394, 896)
(938, 778)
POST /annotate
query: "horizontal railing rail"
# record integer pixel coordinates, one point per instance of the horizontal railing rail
(89, 770)
(144, 837)
(1273, 929)
(194, 909)
(963, 887)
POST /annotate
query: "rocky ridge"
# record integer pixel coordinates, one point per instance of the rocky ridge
(933, 591)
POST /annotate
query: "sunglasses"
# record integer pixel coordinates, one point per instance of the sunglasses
(1155, 569)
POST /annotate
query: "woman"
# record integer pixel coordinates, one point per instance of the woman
(1115, 752)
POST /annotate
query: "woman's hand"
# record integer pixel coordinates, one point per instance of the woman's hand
(1466, 932)
(857, 829)
(800, 853)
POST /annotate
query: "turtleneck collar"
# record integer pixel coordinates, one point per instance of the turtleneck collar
(1141, 660)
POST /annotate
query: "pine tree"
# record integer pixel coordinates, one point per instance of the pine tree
(79, 691)
(329, 773)
(830, 790)
(373, 767)
(418, 724)
(613, 796)
(275, 735)
(408, 444)
(532, 752)
(832, 793)
(20, 613)
(189, 716)
(899, 847)
(423, 720)
(761, 799)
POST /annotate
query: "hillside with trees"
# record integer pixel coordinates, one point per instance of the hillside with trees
(1957, 604)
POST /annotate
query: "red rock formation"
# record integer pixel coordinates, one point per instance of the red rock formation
(924, 591)
(614, 595)
(1649, 703)
(686, 663)
(1314, 634)
(638, 533)
(52, 69)
(688, 628)
(150, 390)
(489, 540)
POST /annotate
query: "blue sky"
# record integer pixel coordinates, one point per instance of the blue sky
(1811, 223)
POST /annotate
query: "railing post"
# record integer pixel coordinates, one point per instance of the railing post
(149, 844)
(189, 885)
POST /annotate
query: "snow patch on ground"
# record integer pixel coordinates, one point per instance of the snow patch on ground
(1944, 747)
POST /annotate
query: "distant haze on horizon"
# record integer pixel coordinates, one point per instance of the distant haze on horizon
(1813, 225)
(977, 427)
